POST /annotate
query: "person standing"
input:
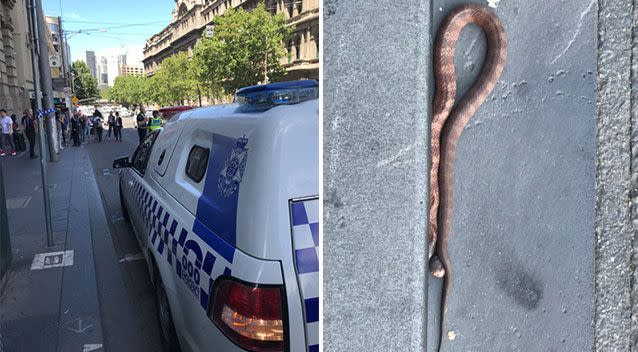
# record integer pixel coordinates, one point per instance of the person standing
(28, 124)
(142, 124)
(98, 124)
(83, 127)
(156, 122)
(7, 133)
(18, 138)
(118, 127)
(76, 128)
(111, 123)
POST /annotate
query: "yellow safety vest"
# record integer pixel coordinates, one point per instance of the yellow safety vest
(155, 124)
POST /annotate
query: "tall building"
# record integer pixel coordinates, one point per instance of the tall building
(102, 72)
(90, 61)
(16, 75)
(190, 18)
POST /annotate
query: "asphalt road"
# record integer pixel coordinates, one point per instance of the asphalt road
(128, 311)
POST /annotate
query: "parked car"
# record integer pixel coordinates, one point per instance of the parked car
(224, 204)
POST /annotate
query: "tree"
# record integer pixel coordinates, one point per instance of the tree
(131, 90)
(245, 50)
(174, 82)
(85, 84)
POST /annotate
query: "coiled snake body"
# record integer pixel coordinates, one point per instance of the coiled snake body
(448, 124)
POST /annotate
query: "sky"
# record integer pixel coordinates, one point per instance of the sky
(115, 26)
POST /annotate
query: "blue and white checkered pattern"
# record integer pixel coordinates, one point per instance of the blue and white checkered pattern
(305, 238)
(182, 248)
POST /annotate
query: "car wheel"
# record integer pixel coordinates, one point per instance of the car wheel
(123, 206)
(167, 328)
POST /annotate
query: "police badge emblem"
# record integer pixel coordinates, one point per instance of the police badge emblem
(230, 176)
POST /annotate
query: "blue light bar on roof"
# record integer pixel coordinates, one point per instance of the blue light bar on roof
(265, 96)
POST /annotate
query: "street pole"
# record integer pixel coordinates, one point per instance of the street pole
(35, 53)
(47, 86)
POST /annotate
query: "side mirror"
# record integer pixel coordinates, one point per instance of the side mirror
(121, 162)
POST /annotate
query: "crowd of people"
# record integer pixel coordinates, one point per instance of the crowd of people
(76, 128)
(81, 127)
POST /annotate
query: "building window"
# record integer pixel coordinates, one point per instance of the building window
(299, 6)
(298, 48)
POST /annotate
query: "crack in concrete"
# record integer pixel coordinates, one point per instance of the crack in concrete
(577, 32)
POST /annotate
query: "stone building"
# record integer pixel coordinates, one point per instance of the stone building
(128, 70)
(16, 75)
(190, 18)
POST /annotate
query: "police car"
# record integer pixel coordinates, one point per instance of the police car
(224, 204)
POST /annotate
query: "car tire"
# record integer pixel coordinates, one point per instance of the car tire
(165, 319)
(123, 206)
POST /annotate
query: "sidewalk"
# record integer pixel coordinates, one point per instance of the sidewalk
(55, 308)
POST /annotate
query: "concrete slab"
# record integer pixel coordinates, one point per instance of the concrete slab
(376, 62)
(522, 242)
(616, 240)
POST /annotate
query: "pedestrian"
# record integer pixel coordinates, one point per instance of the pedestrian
(7, 133)
(83, 120)
(98, 124)
(28, 125)
(76, 129)
(111, 123)
(118, 127)
(142, 124)
(58, 124)
(18, 138)
(156, 122)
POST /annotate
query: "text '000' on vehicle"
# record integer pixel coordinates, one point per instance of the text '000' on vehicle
(224, 204)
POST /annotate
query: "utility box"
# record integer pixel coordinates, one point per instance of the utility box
(5, 242)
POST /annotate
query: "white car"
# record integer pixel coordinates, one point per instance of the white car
(224, 203)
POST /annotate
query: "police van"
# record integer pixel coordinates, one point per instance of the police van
(224, 204)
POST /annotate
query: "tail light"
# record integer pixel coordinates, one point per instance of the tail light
(250, 315)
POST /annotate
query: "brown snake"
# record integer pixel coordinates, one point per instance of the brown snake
(448, 124)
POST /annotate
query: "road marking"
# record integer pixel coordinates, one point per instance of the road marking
(51, 186)
(132, 257)
(80, 329)
(88, 347)
(52, 260)
(106, 172)
(18, 203)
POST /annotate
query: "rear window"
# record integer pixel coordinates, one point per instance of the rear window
(196, 164)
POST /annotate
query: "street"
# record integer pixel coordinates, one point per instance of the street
(104, 299)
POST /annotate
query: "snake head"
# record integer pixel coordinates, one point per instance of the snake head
(436, 267)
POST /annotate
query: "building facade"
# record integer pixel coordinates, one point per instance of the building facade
(190, 18)
(127, 70)
(58, 59)
(16, 74)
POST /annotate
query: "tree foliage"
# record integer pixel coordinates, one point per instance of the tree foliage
(174, 83)
(245, 50)
(85, 84)
(131, 90)
(246, 47)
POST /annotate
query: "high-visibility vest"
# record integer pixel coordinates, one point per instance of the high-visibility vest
(156, 123)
